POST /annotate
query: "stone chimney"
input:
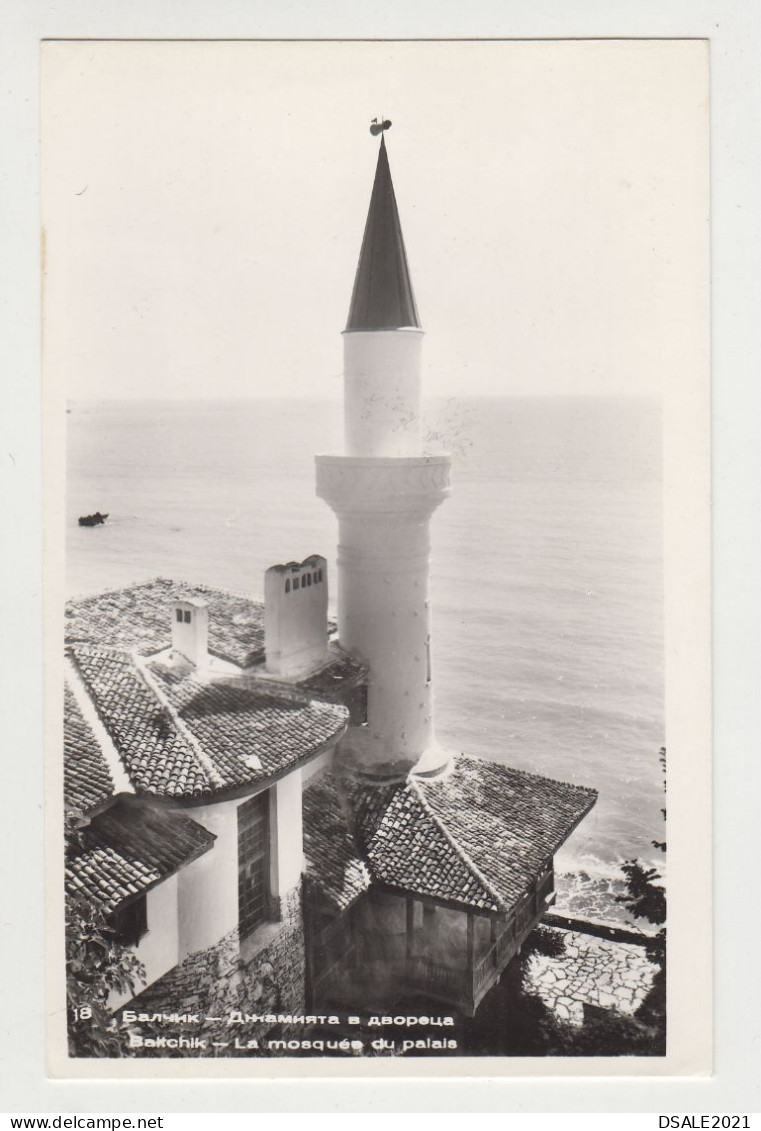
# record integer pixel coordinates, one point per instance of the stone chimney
(190, 630)
(296, 616)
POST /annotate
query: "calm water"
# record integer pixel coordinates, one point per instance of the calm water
(546, 574)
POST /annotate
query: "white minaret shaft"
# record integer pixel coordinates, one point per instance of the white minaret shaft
(384, 491)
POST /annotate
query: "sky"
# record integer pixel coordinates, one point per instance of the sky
(203, 208)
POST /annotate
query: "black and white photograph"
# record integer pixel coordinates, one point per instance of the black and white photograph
(365, 366)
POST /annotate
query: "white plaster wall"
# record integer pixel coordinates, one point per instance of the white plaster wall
(296, 623)
(287, 837)
(191, 640)
(384, 506)
(317, 766)
(207, 900)
(382, 392)
(208, 888)
(158, 949)
(384, 617)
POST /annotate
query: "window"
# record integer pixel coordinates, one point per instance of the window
(319, 575)
(295, 583)
(129, 923)
(287, 586)
(187, 616)
(308, 579)
(178, 614)
(315, 578)
(253, 863)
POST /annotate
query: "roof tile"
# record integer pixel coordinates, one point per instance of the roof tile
(331, 856)
(138, 617)
(86, 777)
(128, 849)
(231, 721)
(193, 738)
(478, 836)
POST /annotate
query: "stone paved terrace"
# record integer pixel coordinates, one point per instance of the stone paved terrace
(591, 971)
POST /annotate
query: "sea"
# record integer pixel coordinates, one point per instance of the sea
(546, 572)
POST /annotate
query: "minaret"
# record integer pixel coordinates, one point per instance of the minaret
(384, 492)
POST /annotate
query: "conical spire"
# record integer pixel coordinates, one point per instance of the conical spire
(382, 298)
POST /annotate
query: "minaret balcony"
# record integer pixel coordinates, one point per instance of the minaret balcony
(413, 485)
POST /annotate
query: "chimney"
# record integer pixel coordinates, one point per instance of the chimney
(190, 630)
(296, 616)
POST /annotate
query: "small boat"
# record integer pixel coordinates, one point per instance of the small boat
(96, 519)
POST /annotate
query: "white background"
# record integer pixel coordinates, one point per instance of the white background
(734, 32)
(203, 206)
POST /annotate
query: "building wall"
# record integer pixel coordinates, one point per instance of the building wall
(190, 630)
(317, 767)
(158, 949)
(208, 888)
(384, 617)
(296, 617)
(286, 835)
(382, 392)
(384, 506)
(222, 979)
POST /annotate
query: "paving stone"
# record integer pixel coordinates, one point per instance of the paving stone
(593, 971)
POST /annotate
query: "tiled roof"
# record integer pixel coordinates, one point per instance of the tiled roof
(86, 777)
(157, 758)
(128, 849)
(507, 822)
(332, 860)
(407, 848)
(477, 837)
(341, 672)
(230, 720)
(138, 617)
(178, 737)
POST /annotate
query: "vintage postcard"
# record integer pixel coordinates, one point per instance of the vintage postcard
(376, 407)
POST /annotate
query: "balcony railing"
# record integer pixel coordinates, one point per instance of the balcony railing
(468, 986)
(545, 889)
(448, 982)
(490, 965)
(462, 986)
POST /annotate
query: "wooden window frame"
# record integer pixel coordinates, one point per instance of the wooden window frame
(250, 920)
(130, 923)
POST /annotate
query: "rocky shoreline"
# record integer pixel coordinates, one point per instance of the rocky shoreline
(585, 897)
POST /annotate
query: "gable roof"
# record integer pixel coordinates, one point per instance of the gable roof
(507, 823)
(230, 721)
(87, 780)
(130, 848)
(175, 736)
(477, 837)
(406, 847)
(382, 298)
(186, 740)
